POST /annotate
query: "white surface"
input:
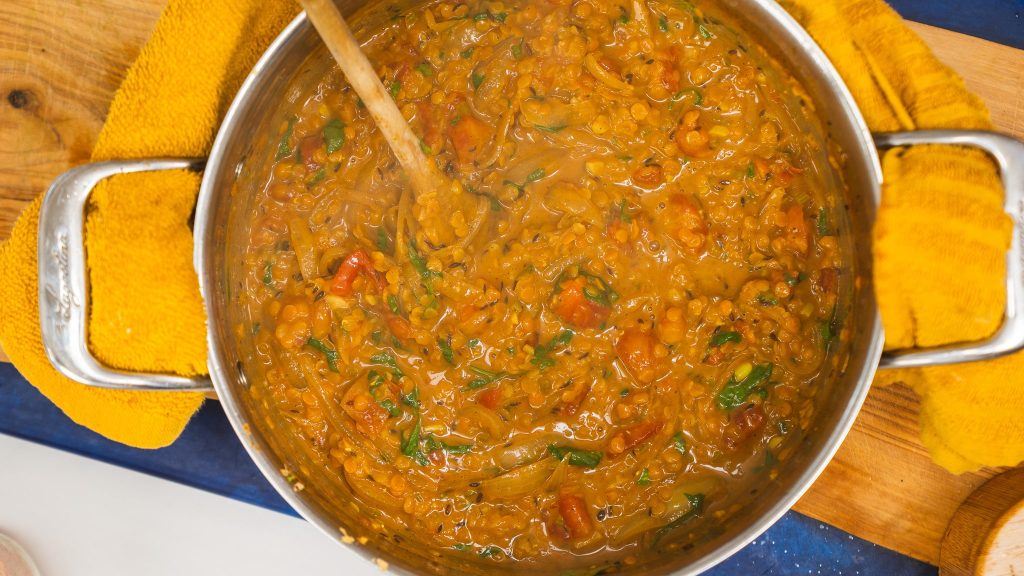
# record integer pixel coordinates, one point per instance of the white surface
(81, 517)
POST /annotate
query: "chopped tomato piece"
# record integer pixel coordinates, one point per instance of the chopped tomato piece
(636, 350)
(307, 147)
(574, 513)
(573, 406)
(358, 261)
(618, 231)
(475, 319)
(744, 424)
(633, 436)
(490, 398)
(469, 137)
(670, 76)
(360, 405)
(761, 167)
(796, 229)
(572, 305)
(786, 173)
(715, 356)
(399, 326)
(692, 231)
(430, 117)
(394, 388)
(347, 272)
(692, 138)
(828, 280)
(555, 525)
(648, 176)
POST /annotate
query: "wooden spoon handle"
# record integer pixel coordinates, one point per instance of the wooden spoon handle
(329, 22)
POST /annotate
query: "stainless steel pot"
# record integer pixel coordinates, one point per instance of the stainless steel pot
(220, 215)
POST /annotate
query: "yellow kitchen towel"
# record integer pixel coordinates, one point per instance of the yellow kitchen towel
(146, 312)
(941, 235)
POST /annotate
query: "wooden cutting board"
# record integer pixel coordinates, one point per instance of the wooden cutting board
(60, 63)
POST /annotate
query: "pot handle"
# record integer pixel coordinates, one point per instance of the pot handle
(63, 281)
(1009, 155)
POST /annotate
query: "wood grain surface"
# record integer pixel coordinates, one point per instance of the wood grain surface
(60, 63)
(993, 71)
(996, 511)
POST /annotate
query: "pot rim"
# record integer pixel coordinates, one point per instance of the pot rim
(256, 447)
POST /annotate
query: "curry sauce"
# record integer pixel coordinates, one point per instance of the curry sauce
(618, 312)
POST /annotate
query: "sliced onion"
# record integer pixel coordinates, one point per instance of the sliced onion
(529, 161)
(479, 219)
(637, 302)
(640, 13)
(455, 288)
(498, 73)
(435, 25)
(773, 202)
(337, 302)
(486, 98)
(570, 201)
(459, 480)
(334, 416)
(525, 448)
(500, 137)
(809, 364)
(330, 256)
(558, 476)
(635, 527)
(550, 114)
(677, 505)
(581, 143)
(486, 419)
(371, 493)
(800, 191)
(604, 76)
(520, 481)
(302, 244)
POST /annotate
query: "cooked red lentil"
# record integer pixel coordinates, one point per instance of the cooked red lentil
(616, 317)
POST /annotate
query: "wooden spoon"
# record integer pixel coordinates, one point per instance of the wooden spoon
(331, 25)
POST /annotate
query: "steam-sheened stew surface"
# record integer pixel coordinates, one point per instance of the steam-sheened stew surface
(608, 328)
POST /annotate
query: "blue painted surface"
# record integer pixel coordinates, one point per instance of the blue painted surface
(210, 457)
(1000, 21)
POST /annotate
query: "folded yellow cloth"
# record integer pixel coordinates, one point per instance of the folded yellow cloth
(941, 235)
(146, 313)
(940, 239)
